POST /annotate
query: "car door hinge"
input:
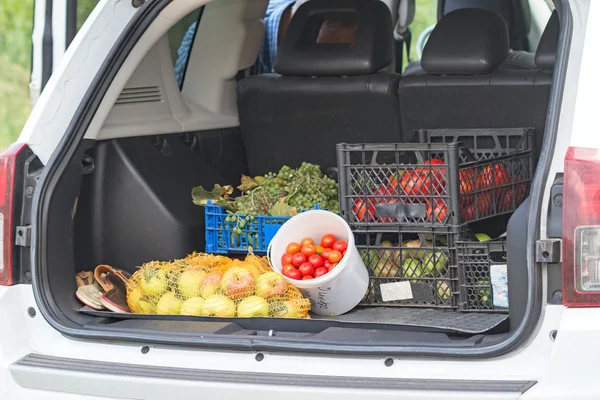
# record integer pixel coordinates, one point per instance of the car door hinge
(23, 236)
(548, 251)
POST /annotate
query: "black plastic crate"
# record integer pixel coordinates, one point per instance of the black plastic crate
(475, 262)
(395, 184)
(409, 269)
(482, 143)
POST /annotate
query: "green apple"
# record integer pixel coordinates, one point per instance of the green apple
(435, 261)
(253, 306)
(285, 309)
(412, 268)
(218, 305)
(154, 282)
(386, 268)
(168, 304)
(190, 282)
(134, 297)
(482, 237)
(416, 244)
(210, 284)
(192, 306)
(271, 285)
(145, 307)
(444, 290)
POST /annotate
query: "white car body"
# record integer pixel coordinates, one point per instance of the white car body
(557, 362)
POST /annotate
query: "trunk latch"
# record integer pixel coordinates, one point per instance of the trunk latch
(23, 236)
(548, 251)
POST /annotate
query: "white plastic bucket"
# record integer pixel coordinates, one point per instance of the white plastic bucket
(338, 291)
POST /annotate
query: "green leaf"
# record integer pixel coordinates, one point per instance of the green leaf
(282, 209)
(219, 196)
(247, 184)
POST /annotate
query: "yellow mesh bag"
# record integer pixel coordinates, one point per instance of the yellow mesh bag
(210, 285)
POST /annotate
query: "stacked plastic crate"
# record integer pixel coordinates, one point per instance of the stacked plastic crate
(412, 207)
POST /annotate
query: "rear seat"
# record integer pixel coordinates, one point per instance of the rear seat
(462, 86)
(322, 94)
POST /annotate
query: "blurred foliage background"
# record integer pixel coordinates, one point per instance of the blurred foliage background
(16, 24)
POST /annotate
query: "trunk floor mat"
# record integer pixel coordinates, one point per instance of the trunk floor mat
(448, 321)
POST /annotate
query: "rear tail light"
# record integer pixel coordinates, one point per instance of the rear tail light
(581, 228)
(8, 165)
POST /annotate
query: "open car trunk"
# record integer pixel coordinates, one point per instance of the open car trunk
(127, 201)
(130, 203)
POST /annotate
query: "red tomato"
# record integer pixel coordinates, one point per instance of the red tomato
(328, 240)
(326, 252)
(340, 246)
(286, 268)
(505, 202)
(484, 203)
(315, 260)
(309, 250)
(327, 264)
(414, 184)
(298, 259)
(335, 256)
(294, 274)
(467, 184)
(319, 249)
(306, 269)
(520, 193)
(286, 259)
(307, 277)
(468, 213)
(306, 241)
(491, 177)
(332, 266)
(293, 248)
(437, 213)
(320, 271)
(436, 175)
(387, 196)
(362, 211)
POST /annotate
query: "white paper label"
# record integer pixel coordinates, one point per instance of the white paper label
(499, 281)
(396, 291)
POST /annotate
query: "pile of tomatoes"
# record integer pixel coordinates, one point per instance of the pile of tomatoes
(487, 186)
(421, 183)
(305, 260)
(427, 185)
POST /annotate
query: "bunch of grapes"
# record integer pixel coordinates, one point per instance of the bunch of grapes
(309, 186)
(301, 188)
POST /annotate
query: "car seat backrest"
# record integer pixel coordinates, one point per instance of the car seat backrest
(462, 85)
(545, 56)
(322, 93)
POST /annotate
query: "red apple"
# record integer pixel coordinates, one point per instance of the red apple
(270, 285)
(238, 283)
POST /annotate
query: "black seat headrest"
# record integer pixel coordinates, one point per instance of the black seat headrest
(372, 50)
(468, 41)
(545, 56)
(516, 13)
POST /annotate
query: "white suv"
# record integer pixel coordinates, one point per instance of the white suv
(102, 172)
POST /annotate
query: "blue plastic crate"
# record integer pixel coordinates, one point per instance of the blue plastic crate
(220, 238)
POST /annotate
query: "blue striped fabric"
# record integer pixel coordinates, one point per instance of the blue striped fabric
(268, 49)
